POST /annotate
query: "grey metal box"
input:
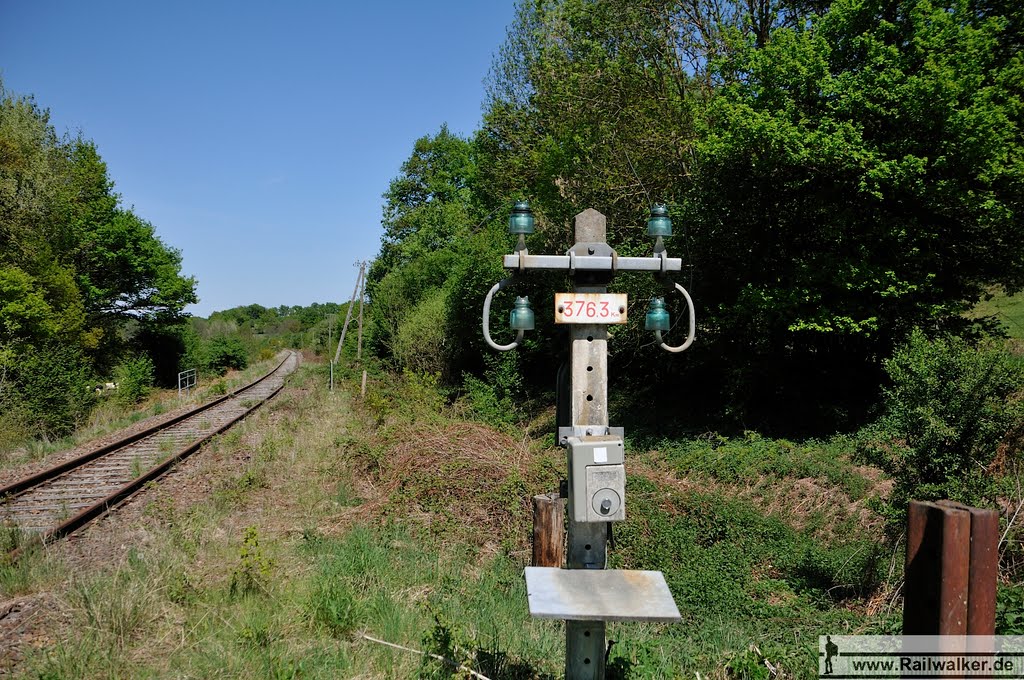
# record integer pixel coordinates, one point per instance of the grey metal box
(597, 479)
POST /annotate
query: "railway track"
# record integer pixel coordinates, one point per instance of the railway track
(55, 502)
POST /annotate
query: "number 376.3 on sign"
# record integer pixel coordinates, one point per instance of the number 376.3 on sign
(590, 308)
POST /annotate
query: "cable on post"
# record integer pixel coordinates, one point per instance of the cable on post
(487, 320)
(693, 326)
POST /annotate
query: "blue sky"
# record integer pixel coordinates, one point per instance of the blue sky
(257, 137)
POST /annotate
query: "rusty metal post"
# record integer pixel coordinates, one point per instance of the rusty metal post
(938, 555)
(983, 569)
(981, 598)
(548, 530)
(951, 561)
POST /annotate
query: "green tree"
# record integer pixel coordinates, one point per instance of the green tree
(82, 279)
(134, 378)
(46, 392)
(124, 269)
(223, 353)
(430, 204)
(602, 104)
(431, 210)
(38, 297)
(853, 181)
(839, 174)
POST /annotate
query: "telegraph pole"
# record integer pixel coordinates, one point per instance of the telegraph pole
(362, 295)
(330, 341)
(348, 316)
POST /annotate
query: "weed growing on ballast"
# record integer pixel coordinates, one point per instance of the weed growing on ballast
(253, 571)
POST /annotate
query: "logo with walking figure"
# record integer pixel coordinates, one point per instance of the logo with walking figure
(831, 649)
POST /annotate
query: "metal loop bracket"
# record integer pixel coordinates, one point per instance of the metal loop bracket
(693, 326)
(487, 319)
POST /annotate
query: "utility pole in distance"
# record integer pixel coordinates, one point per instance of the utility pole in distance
(362, 296)
(585, 594)
(331, 320)
(348, 315)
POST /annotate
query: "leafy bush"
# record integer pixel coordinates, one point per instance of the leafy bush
(48, 391)
(168, 347)
(426, 399)
(13, 430)
(134, 378)
(486, 405)
(1010, 610)
(223, 353)
(495, 399)
(952, 413)
(419, 344)
(397, 294)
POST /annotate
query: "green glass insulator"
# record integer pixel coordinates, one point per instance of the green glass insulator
(521, 219)
(521, 318)
(657, 316)
(659, 224)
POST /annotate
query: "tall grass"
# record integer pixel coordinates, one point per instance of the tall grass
(332, 520)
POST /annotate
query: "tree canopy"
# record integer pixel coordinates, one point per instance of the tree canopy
(839, 173)
(81, 276)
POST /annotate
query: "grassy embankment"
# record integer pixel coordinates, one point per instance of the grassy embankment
(1008, 311)
(324, 519)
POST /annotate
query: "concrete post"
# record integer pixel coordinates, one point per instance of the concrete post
(587, 542)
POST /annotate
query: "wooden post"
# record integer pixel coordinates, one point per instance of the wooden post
(548, 530)
(362, 294)
(348, 317)
(951, 569)
(362, 390)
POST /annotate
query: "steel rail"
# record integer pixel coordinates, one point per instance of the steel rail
(22, 485)
(25, 487)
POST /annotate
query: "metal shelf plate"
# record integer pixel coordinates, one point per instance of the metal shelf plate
(599, 595)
